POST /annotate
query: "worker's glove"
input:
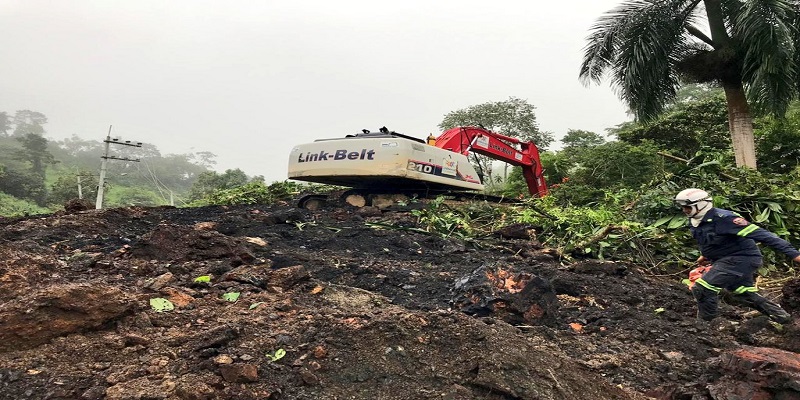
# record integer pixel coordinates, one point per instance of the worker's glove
(698, 272)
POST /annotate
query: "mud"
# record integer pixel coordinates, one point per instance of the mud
(333, 305)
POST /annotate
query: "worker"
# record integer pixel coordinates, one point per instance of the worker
(431, 140)
(727, 243)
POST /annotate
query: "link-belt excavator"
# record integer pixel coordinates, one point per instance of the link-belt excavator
(385, 166)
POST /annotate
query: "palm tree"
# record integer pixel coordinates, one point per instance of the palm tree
(749, 47)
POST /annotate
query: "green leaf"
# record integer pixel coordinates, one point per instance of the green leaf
(254, 305)
(774, 206)
(203, 279)
(677, 222)
(161, 304)
(659, 310)
(663, 220)
(277, 356)
(231, 296)
(764, 216)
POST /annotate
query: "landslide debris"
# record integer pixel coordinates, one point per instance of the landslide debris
(335, 304)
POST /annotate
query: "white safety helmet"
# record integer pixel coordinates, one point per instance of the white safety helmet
(699, 200)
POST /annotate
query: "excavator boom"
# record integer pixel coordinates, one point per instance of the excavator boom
(468, 139)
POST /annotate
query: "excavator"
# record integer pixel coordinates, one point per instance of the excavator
(385, 167)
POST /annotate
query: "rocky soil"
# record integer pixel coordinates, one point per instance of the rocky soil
(332, 304)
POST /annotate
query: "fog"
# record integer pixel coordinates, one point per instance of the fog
(247, 80)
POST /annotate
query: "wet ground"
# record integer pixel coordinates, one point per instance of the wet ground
(274, 302)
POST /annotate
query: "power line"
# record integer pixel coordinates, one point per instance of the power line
(104, 165)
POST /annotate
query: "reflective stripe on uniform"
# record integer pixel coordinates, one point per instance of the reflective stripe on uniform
(745, 289)
(707, 285)
(747, 230)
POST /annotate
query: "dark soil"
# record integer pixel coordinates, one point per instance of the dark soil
(359, 311)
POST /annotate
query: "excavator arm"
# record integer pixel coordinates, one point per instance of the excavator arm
(468, 139)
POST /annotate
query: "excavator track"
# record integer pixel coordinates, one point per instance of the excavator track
(384, 200)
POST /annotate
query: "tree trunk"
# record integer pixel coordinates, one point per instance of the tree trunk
(740, 123)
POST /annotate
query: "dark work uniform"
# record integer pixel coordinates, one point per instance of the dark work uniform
(729, 242)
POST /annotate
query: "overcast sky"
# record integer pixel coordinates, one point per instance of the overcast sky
(247, 80)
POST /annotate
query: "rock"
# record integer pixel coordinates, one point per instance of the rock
(791, 296)
(516, 231)
(73, 206)
(515, 297)
(181, 243)
(239, 373)
(160, 281)
(758, 373)
(59, 310)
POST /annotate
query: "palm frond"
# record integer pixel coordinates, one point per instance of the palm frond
(639, 43)
(764, 30)
(795, 23)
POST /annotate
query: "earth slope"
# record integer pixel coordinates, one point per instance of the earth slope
(332, 304)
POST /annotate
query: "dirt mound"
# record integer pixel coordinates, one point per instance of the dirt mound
(272, 302)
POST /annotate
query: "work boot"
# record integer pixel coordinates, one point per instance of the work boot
(782, 318)
(766, 307)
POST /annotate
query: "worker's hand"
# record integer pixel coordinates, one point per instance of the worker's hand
(702, 261)
(797, 259)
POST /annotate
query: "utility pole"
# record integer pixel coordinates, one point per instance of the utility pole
(104, 165)
(80, 190)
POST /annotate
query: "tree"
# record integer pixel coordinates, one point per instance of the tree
(649, 46)
(34, 151)
(579, 139)
(66, 187)
(683, 129)
(601, 170)
(211, 181)
(778, 141)
(5, 124)
(27, 121)
(203, 158)
(513, 117)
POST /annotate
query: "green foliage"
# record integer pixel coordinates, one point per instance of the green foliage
(778, 142)
(28, 122)
(579, 139)
(586, 173)
(231, 296)
(757, 50)
(25, 160)
(751, 51)
(602, 232)
(251, 193)
(160, 304)
(438, 217)
(121, 196)
(66, 187)
(280, 353)
(210, 181)
(464, 221)
(684, 129)
(641, 225)
(11, 206)
(5, 123)
(515, 186)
